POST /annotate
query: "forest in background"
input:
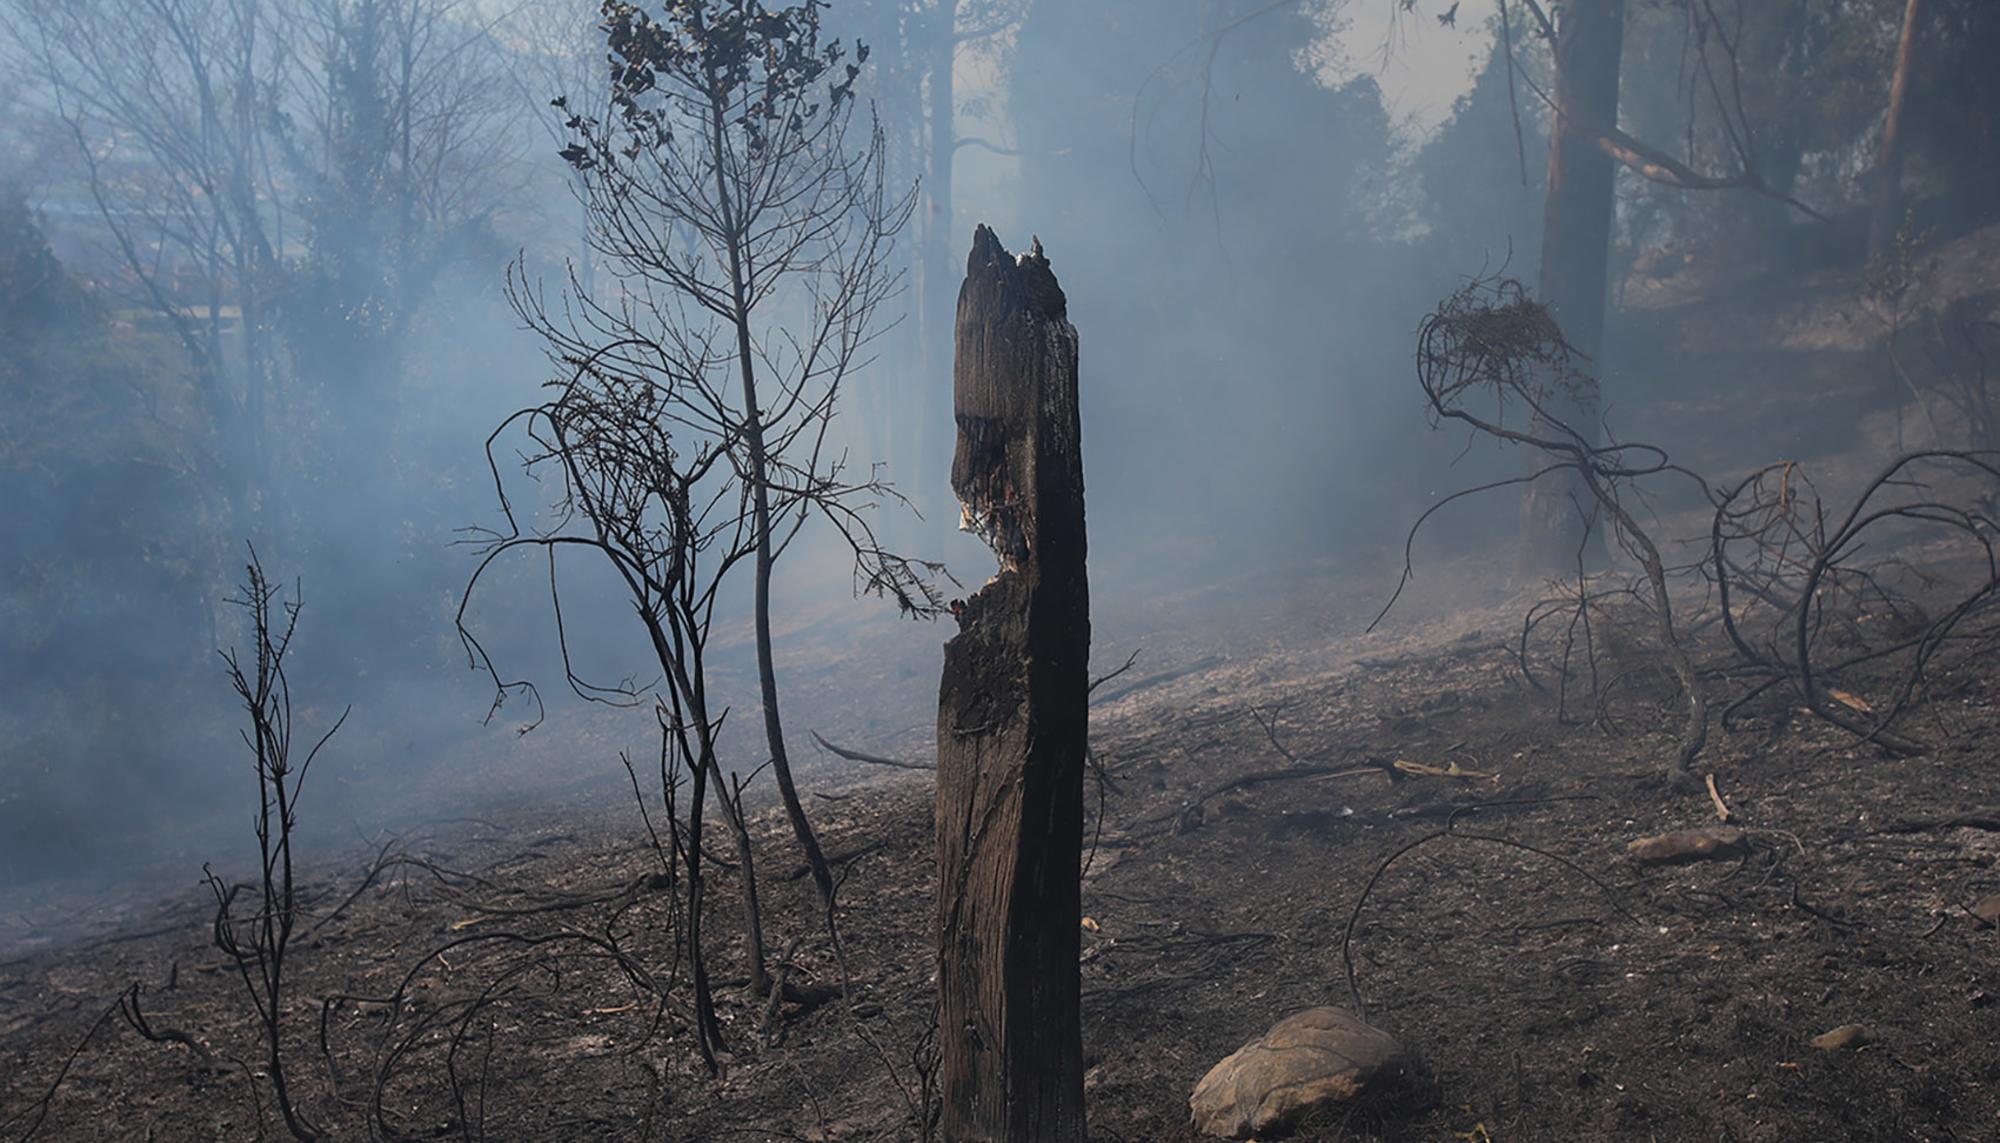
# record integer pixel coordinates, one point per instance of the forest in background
(466, 421)
(252, 288)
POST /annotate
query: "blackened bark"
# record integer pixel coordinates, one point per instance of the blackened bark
(753, 914)
(1576, 250)
(1012, 718)
(708, 1029)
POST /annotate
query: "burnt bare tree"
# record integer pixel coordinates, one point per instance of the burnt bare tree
(1576, 248)
(1494, 359)
(666, 516)
(258, 944)
(643, 443)
(748, 227)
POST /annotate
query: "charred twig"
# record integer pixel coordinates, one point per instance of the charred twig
(31, 1117)
(380, 864)
(843, 858)
(1802, 906)
(1258, 777)
(1270, 728)
(540, 952)
(1715, 796)
(767, 1027)
(871, 759)
(1151, 681)
(1449, 831)
(1103, 679)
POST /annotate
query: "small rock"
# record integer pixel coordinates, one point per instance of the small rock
(1711, 844)
(1846, 1036)
(1987, 908)
(1306, 1061)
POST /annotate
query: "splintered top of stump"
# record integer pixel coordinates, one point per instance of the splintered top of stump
(1017, 468)
(1027, 275)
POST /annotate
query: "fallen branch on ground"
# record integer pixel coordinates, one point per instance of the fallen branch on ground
(1986, 819)
(871, 759)
(1258, 777)
(1160, 679)
(1714, 795)
(1449, 830)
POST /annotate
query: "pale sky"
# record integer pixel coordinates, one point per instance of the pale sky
(1421, 65)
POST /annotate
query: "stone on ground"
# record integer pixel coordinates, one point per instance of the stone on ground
(1314, 1059)
(1712, 844)
(1845, 1036)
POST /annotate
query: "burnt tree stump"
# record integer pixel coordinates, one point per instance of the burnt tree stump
(1012, 718)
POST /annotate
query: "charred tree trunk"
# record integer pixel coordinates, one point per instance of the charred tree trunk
(1886, 215)
(1012, 718)
(707, 1028)
(735, 234)
(1576, 251)
(753, 914)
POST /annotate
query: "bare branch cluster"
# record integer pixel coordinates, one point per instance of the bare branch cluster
(743, 237)
(257, 944)
(1804, 603)
(1805, 594)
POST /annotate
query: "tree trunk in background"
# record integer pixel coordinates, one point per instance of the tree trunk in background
(707, 1028)
(753, 913)
(1576, 250)
(935, 277)
(1012, 719)
(1885, 219)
